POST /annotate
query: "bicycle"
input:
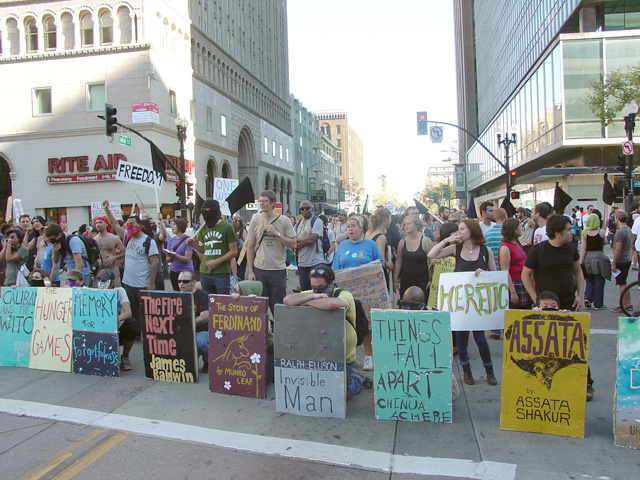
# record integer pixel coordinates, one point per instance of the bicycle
(632, 309)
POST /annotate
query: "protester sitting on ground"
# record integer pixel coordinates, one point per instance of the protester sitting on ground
(322, 297)
(39, 278)
(187, 283)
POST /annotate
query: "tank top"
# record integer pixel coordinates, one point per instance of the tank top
(518, 258)
(594, 243)
(463, 265)
(415, 264)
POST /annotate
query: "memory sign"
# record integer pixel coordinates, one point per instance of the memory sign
(52, 332)
(475, 303)
(544, 372)
(310, 369)
(413, 365)
(222, 187)
(16, 325)
(238, 345)
(138, 174)
(169, 336)
(626, 424)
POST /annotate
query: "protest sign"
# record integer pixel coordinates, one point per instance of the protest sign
(442, 265)
(95, 332)
(238, 345)
(16, 324)
(138, 174)
(222, 187)
(544, 372)
(51, 336)
(475, 303)
(413, 365)
(626, 424)
(310, 369)
(98, 211)
(367, 284)
(169, 336)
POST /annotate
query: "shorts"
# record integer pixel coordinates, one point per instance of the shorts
(624, 271)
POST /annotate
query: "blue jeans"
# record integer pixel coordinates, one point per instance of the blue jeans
(356, 380)
(215, 283)
(202, 342)
(594, 290)
(462, 340)
(274, 285)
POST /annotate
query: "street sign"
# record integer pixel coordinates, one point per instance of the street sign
(636, 184)
(436, 134)
(123, 140)
(627, 147)
(319, 196)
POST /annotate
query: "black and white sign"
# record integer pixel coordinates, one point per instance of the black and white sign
(145, 176)
(436, 134)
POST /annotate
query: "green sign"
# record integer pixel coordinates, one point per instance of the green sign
(341, 195)
(636, 184)
(123, 140)
(319, 196)
(413, 365)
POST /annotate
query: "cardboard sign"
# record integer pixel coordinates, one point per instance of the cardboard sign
(310, 368)
(413, 365)
(222, 187)
(475, 303)
(16, 325)
(95, 332)
(443, 265)
(544, 373)
(169, 336)
(238, 345)
(626, 423)
(138, 174)
(367, 284)
(98, 211)
(51, 336)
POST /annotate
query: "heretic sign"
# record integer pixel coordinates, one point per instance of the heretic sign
(413, 365)
(545, 372)
(16, 324)
(442, 265)
(95, 332)
(168, 336)
(626, 427)
(475, 303)
(367, 284)
(51, 336)
(310, 369)
(238, 345)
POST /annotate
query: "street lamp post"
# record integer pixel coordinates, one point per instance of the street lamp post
(181, 126)
(506, 142)
(629, 113)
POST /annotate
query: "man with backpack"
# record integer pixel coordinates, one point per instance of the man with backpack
(72, 249)
(309, 233)
(324, 295)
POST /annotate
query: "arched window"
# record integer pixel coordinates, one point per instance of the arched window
(50, 38)
(13, 35)
(86, 30)
(68, 31)
(124, 21)
(31, 34)
(106, 27)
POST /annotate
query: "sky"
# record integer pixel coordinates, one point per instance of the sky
(381, 62)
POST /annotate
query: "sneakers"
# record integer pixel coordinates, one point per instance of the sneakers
(600, 308)
(619, 310)
(587, 303)
(368, 363)
(125, 364)
(590, 393)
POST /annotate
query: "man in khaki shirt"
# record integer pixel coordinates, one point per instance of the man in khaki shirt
(269, 234)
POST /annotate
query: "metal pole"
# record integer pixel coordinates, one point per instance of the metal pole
(506, 164)
(629, 126)
(182, 135)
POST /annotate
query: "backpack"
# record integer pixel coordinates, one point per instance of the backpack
(326, 244)
(93, 258)
(362, 323)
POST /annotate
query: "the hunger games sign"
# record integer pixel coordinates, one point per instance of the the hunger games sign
(238, 345)
(545, 372)
(168, 336)
(626, 424)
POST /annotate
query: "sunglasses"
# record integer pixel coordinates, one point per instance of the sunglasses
(317, 271)
(304, 208)
(185, 281)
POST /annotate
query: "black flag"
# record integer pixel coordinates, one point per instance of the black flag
(471, 208)
(365, 208)
(158, 160)
(241, 195)
(422, 209)
(560, 200)
(608, 192)
(509, 208)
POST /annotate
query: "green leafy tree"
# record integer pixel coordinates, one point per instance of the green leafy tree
(432, 195)
(607, 98)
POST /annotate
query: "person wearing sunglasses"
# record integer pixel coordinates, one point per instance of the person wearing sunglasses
(309, 231)
(187, 283)
(15, 254)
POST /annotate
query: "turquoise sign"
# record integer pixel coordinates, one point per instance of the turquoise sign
(627, 398)
(412, 376)
(16, 324)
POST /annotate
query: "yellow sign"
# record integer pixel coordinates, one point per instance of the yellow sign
(545, 372)
(442, 265)
(52, 332)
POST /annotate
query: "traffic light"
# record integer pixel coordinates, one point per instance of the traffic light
(189, 190)
(622, 164)
(445, 192)
(176, 206)
(515, 195)
(422, 124)
(512, 178)
(110, 120)
(178, 189)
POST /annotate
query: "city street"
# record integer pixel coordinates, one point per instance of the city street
(57, 425)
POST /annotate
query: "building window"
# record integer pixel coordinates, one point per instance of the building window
(42, 101)
(300, 141)
(31, 35)
(50, 39)
(280, 152)
(86, 30)
(223, 125)
(266, 145)
(210, 119)
(287, 155)
(339, 144)
(273, 148)
(106, 28)
(173, 108)
(96, 96)
(337, 129)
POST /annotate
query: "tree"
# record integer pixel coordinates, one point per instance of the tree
(432, 195)
(607, 98)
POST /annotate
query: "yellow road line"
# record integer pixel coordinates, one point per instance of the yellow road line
(57, 459)
(96, 452)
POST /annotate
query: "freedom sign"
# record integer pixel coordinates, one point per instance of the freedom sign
(138, 174)
(475, 303)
